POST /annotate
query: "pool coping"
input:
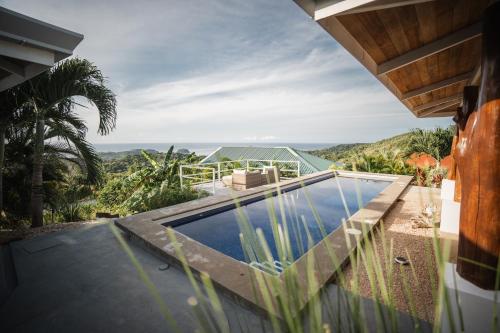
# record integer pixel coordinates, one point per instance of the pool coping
(236, 278)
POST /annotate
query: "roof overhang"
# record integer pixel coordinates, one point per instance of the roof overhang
(29, 47)
(423, 51)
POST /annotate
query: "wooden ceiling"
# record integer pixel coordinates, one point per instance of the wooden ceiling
(423, 51)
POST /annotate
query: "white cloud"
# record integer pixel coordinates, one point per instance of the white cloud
(223, 70)
(257, 138)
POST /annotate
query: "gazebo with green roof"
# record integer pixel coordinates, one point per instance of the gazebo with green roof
(308, 163)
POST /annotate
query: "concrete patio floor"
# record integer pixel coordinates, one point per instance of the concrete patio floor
(82, 281)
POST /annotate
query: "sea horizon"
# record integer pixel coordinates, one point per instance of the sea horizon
(204, 148)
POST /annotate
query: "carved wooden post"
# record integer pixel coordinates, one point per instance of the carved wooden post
(452, 173)
(470, 96)
(479, 167)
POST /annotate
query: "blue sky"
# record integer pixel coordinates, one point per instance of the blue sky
(225, 71)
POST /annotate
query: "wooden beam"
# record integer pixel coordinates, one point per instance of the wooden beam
(453, 39)
(450, 113)
(30, 71)
(335, 7)
(436, 102)
(437, 108)
(382, 6)
(27, 53)
(11, 67)
(475, 76)
(436, 86)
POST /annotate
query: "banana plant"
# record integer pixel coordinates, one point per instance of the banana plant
(154, 180)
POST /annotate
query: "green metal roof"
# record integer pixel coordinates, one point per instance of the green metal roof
(308, 163)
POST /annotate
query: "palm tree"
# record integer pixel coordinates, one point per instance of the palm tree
(51, 95)
(10, 100)
(436, 143)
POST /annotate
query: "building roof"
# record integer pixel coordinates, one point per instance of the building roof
(29, 47)
(423, 51)
(308, 163)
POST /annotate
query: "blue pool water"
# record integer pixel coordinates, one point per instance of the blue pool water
(221, 231)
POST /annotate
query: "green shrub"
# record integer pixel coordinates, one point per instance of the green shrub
(70, 212)
(154, 186)
(377, 162)
(158, 198)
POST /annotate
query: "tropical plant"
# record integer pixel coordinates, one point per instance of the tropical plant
(19, 165)
(155, 185)
(436, 143)
(51, 95)
(387, 162)
(10, 100)
(67, 198)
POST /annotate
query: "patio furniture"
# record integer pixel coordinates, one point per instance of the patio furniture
(271, 175)
(242, 179)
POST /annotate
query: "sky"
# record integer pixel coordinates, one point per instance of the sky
(225, 71)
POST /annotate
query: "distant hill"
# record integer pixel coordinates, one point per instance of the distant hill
(108, 156)
(118, 162)
(341, 152)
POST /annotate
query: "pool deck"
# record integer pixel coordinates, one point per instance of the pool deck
(416, 244)
(220, 188)
(236, 278)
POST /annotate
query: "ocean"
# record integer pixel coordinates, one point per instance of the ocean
(203, 148)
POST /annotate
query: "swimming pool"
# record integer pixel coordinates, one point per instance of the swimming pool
(333, 198)
(210, 224)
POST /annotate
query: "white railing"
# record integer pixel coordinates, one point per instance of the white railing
(196, 174)
(283, 170)
(197, 178)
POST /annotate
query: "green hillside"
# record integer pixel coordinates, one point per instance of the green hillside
(436, 142)
(339, 153)
(391, 155)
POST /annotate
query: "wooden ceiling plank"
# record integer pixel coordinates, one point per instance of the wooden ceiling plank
(453, 39)
(334, 7)
(338, 31)
(437, 85)
(387, 5)
(440, 101)
(446, 113)
(437, 108)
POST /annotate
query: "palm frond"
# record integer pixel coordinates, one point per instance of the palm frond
(76, 145)
(71, 78)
